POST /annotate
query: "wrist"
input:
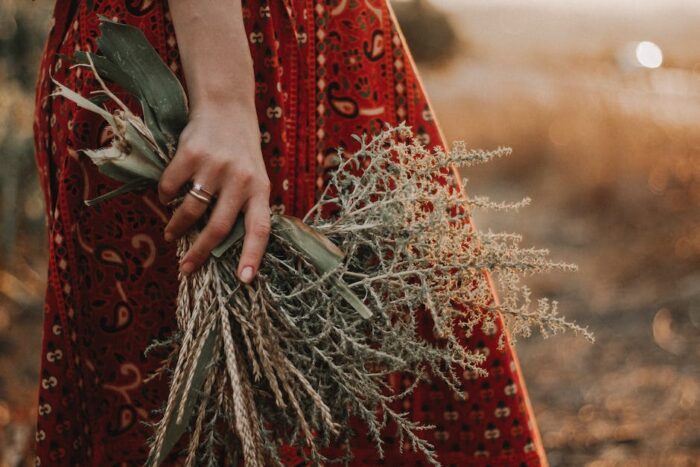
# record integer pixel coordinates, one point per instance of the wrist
(238, 111)
(222, 96)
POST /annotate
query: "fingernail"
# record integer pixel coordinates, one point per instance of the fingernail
(187, 267)
(247, 274)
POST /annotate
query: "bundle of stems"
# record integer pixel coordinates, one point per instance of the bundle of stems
(340, 299)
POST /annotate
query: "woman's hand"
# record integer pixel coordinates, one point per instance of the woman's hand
(220, 149)
(220, 146)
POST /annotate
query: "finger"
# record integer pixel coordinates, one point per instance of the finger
(218, 226)
(185, 216)
(178, 172)
(257, 233)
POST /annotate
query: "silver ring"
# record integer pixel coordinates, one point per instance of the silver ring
(200, 197)
(200, 188)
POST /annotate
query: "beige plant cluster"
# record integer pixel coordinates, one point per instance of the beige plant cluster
(293, 360)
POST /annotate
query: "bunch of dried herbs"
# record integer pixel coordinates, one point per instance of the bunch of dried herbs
(335, 307)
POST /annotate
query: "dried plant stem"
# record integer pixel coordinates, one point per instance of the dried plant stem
(243, 423)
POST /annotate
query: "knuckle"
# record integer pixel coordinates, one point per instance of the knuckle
(189, 213)
(189, 148)
(265, 185)
(166, 187)
(218, 229)
(191, 154)
(197, 254)
(196, 157)
(217, 164)
(245, 176)
(260, 229)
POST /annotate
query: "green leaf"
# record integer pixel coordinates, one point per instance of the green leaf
(108, 70)
(151, 122)
(320, 251)
(99, 99)
(352, 299)
(143, 149)
(114, 171)
(131, 166)
(174, 430)
(236, 234)
(128, 49)
(126, 188)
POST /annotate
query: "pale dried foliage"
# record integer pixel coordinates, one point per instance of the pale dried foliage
(293, 360)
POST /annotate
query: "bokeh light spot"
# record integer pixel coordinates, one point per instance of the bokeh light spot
(649, 55)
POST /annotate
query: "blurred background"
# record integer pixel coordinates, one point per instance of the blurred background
(600, 102)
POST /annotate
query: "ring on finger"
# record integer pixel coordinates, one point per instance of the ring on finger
(200, 193)
(200, 197)
(200, 188)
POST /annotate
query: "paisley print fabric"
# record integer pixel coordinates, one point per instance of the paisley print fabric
(325, 69)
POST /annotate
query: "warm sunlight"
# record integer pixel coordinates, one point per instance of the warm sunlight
(649, 55)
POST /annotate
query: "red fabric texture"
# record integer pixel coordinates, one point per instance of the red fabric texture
(325, 69)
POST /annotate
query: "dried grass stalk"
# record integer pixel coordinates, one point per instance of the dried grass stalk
(300, 359)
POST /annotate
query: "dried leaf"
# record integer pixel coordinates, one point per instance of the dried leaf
(143, 149)
(82, 101)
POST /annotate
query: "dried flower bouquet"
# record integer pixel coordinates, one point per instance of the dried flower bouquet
(333, 311)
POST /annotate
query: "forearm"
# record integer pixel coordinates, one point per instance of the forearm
(220, 147)
(214, 52)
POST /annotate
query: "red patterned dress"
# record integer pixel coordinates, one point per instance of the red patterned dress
(325, 69)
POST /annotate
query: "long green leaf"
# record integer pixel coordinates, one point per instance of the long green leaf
(149, 118)
(126, 188)
(319, 251)
(114, 171)
(352, 299)
(108, 70)
(236, 234)
(127, 47)
(173, 429)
